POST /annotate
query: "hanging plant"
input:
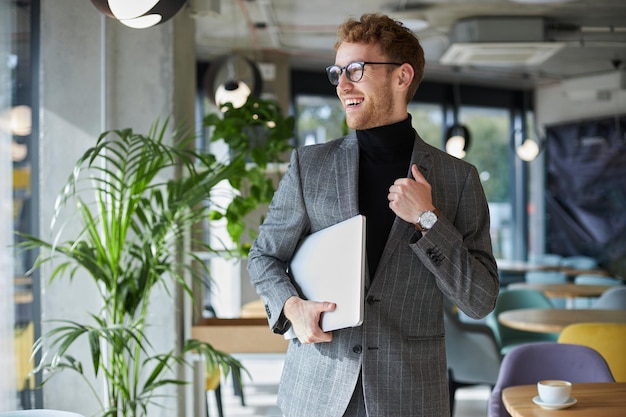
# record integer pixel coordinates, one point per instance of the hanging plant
(257, 134)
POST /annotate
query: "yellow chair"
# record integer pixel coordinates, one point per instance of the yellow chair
(24, 339)
(607, 338)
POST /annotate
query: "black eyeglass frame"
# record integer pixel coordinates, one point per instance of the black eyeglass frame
(362, 65)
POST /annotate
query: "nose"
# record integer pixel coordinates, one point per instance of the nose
(344, 81)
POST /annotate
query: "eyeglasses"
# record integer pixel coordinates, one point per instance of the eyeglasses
(354, 71)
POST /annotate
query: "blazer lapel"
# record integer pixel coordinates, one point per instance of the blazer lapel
(347, 163)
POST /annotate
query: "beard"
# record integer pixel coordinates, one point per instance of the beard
(377, 109)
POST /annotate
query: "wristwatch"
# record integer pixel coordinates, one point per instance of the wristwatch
(427, 220)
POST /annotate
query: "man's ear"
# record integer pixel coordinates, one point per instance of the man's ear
(406, 75)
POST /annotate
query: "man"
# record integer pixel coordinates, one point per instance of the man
(427, 237)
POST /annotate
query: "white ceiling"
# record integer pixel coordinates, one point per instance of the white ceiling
(592, 33)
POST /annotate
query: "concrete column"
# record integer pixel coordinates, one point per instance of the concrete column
(97, 74)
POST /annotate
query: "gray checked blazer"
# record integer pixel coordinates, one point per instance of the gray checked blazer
(400, 348)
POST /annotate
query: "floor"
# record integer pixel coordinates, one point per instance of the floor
(261, 387)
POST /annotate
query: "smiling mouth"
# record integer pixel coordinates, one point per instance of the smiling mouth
(353, 102)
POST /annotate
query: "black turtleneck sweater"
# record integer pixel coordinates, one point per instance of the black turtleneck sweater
(384, 156)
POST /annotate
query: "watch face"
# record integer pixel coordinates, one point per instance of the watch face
(428, 219)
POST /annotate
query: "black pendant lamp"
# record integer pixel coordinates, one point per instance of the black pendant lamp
(139, 14)
(232, 79)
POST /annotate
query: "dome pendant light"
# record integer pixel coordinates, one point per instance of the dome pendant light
(457, 140)
(457, 136)
(139, 14)
(232, 79)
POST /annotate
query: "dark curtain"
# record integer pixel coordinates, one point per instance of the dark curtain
(586, 191)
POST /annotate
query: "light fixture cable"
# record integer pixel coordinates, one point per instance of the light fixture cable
(457, 137)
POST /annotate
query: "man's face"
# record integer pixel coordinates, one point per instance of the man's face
(369, 102)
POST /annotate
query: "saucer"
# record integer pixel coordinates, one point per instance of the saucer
(570, 402)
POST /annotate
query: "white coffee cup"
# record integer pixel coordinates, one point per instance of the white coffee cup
(554, 391)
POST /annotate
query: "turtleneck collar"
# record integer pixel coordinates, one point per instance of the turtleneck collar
(396, 137)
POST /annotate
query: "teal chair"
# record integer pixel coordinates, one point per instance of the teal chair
(579, 262)
(511, 299)
(551, 259)
(472, 353)
(584, 279)
(612, 299)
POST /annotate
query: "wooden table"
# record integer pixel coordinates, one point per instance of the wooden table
(244, 335)
(515, 271)
(554, 320)
(509, 266)
(593, 399)
(573, 272)
(569, 290)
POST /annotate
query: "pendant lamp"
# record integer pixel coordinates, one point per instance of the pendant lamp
(457, 140)
(232, 79)
(457, 136)
(526, 148)
(21, 120)
(139, 14)
(527, 140)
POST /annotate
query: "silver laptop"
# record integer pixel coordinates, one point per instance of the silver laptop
(329, 265)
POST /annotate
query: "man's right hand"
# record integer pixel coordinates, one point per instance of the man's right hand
(305, 317)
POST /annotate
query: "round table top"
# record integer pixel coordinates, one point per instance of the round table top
(510, 266)
(554, 320)
(565, 290)
(606, 399)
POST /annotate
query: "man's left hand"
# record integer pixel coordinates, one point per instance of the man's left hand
(410, 197)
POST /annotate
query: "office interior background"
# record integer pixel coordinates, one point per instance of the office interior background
(68, 73)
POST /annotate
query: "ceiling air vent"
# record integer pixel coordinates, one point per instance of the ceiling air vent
(499, 41)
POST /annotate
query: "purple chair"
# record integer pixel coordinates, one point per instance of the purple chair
(527, 364)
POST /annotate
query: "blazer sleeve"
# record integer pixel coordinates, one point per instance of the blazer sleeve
(458, 249)
(285, 225)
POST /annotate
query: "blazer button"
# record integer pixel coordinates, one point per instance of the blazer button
(357, 349)
(371, 300)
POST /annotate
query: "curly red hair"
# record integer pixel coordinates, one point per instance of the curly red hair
(394, 39)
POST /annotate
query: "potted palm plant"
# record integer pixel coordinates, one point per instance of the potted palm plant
(129, 244)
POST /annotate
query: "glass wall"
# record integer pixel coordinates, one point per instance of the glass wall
(490, 152)
(17, 327)
(428, 121)
(320, 119)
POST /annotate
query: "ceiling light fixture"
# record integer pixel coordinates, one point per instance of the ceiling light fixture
(529, 148)
(232, 79)
(526, 145)
(139, 14)
(21, 120)
(458, 140)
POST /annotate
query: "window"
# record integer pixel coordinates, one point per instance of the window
(16, 293)
(428, 121)
(489, 152)
(319, 119)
